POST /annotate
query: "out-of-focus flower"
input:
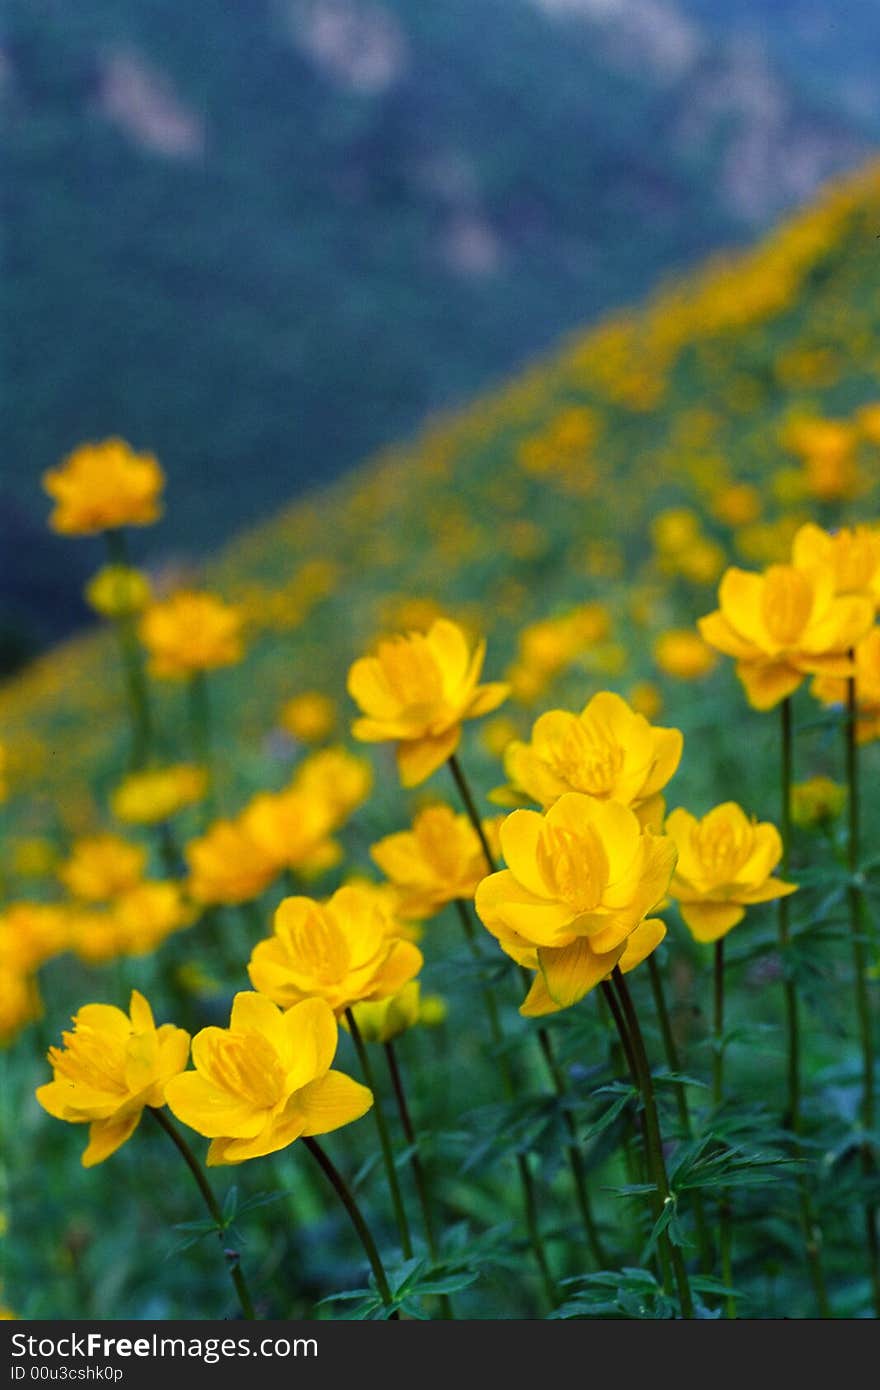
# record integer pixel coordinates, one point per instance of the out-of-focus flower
(226, 865)
(433, 1010)
(20, 1002)
(681, 653)
(147, 798)
(147, 914)
(94, 935)
(852, 554)
(101, 867)
(100, 487)
(580, 880)
(782, 625)
(607, 751)
(725, 863)
(416, 691)
(438, 860)
(551, 645)
(737, 504)
(336, 779)
(831, 690)
(31, 933)
(309, 716)
(342, 951)
(110, 1067)
(118, 591)
(817, 801)
(34, 857)
(191, 632)
(265, 1080)
(646, 699)
(497, 733)
(384, 1019)
(292, 831)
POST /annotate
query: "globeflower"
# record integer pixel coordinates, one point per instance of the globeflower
(343, 951)
(725, 862)
(291, 830)
(852, 554)
(637, 947)
(101, 867)
(416, 691)
(579, 881)
(336, 779)
(147, 798)
(265, 1080)
(683, 654)
(782, 625)
(439, 860)
(382, 1020)
(309, 716)
(189, 633)
(226, 865)
(607, 751)
(147, 914)
(110, 1067)
(100, 487)
(818, 801)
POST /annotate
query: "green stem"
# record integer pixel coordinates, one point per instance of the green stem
(684, 1115)
(137, 690)
(346, 1197)
(811, 1231)
(384, 1137)
(231, 1256)
(725, 1214)
(863, 1007)
(199, 718)
(655, 1139)
(527, 1184)
(418, 1168)
(471, 808)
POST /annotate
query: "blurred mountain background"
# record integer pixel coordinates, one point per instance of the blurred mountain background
(262, 238)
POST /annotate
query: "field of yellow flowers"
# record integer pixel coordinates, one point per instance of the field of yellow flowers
(459, 900)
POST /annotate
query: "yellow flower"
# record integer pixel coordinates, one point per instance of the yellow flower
(682, 654)
(291, 830)
(118, 591)
(20, 1001)
(783, 625)
(645, 698)
(309, 717)
(145, 915)
(95, 937)
(191, 632)
(580, 880)
(831, 690)
(102, 867)
(342, 951)
(439, 860)
(416, 691)
(110, 1067)
(638, 946)
(31, 933)
(100, 487)
(146, 798)
(338, 780)
(607, 751)
(725, 862)
(737, 504)
(226, 865)
(817, 801)
(852, 555)
(387, 899)
(497, 733)
(265, 1080)
(384, 1019)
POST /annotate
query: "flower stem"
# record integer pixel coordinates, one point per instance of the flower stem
(471, 807)
(655, 1140)
(140, 714)
(344, 1193)
(811, 1231)
(418, 1168)
(527, 1184)
(725, 1215)
(199, 718)
(863, 1007)
(384, 1137)
(674, 1063)
(189, 1158)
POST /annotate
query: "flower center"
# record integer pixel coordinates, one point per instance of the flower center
(722, 846)
(786, 604)
(320, 949)
(247, 1065)
(92, 1059)
(585, 759)
(576, 865)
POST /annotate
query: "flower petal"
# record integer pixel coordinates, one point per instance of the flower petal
(332, 1101)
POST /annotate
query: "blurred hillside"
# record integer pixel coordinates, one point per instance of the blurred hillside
(264, 239)
(624, 471)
